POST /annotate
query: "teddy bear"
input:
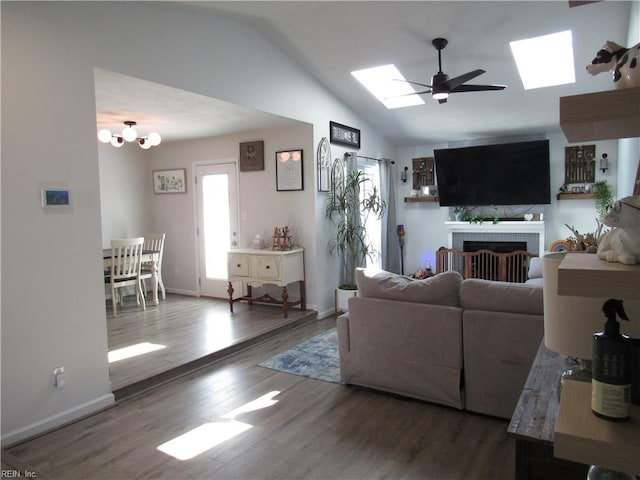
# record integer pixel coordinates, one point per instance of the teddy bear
(622, 243)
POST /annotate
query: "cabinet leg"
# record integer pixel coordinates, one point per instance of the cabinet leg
(303, 296)
(285, 296)
(230, 292)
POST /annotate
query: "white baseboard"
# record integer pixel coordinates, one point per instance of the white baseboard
(188, 293)
(57, 420)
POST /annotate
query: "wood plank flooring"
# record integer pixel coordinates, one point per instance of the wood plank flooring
(190, 331)
(311, 429)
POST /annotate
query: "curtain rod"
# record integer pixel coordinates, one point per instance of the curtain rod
(374, 159)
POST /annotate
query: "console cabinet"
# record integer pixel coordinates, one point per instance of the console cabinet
(258, 267)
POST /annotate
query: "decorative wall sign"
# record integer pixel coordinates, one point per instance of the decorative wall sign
(344, 135)
(252, 156)
(324, 165)
(289, 170)
(423, 172)
(580, 164)
(170, 181)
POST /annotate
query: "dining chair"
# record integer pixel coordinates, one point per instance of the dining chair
(154, 242)
(126, 269)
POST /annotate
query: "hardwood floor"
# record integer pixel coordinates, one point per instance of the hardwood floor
(302, 428)
(188, 332)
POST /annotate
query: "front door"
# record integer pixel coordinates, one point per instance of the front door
(217, 225)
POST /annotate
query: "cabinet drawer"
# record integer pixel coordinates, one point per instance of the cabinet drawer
(268, 268)
(239, 266)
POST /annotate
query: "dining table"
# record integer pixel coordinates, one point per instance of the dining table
(148, 256)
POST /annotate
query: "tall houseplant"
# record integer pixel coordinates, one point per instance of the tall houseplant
(350, 203)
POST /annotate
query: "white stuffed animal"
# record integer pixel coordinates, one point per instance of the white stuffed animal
(622, 243)
(623, 63)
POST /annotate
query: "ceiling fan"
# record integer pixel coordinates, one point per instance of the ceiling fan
(441, 85)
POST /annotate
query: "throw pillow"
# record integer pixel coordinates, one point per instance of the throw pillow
(441, 289)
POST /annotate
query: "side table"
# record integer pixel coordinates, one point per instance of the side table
(533, 421)
(257, 267)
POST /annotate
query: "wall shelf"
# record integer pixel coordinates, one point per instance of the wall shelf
(586, 275)
(574, 196)
(601, 116)
(425, 198)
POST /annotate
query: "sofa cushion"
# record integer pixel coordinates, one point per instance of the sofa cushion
(441, 289)
(477, 294)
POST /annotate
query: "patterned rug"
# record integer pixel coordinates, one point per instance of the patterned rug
(316, 357)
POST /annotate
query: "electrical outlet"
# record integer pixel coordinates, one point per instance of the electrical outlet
(59, 378)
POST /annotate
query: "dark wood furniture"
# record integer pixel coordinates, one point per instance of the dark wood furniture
(533, 421)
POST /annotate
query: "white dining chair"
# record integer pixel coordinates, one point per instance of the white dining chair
(154, 242)
(125, 269)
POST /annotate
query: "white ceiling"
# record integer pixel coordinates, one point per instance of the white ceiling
(331, 39)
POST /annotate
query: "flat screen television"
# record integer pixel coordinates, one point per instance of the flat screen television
(501, 174)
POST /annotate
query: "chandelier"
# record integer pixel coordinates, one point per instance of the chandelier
(129, 134)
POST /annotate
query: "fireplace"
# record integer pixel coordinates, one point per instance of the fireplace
(529, 233)
(498, 247)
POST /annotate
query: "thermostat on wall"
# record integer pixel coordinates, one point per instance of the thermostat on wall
(56, 197)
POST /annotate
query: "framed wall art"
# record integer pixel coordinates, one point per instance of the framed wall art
(289, 170)
(324, 165)
(343, 135)
(170, 181)
(252, 156)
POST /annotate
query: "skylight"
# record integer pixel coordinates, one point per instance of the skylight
(545, 61)
(385, 83)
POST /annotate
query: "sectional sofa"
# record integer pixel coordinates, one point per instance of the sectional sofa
(467, 344)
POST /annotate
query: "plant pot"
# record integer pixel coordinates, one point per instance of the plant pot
(341, 299)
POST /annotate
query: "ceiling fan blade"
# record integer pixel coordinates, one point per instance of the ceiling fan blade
(455, 82)
(477, 88)
(407, 94)
(412, 83)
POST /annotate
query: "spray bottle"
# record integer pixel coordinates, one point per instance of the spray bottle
(611, 367)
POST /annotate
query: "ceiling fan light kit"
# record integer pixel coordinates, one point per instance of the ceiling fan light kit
(129, 134)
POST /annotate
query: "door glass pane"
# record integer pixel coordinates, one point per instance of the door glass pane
(217, 230)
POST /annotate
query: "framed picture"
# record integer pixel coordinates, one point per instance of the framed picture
(324, 165)
(56, 197)
(252, 156)
(289, 170)
(344, 135)
(170, 181)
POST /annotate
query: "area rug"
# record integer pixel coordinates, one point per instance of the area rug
(316, 358)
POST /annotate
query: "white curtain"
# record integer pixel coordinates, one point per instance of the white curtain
(391, 260)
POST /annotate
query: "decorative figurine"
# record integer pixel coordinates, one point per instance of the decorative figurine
(624, 63)
(622, 243)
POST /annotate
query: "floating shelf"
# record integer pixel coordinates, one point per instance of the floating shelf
(425, 198)
(582, 437)
(601, 116)
(586, 275)
(574, 196)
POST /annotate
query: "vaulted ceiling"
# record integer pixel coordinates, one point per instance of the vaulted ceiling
(331, 39)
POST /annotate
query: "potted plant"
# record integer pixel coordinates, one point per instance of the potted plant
(350, 203)
(459, 214)
(603, 197)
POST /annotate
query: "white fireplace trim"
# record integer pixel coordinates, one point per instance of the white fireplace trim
(488, 227)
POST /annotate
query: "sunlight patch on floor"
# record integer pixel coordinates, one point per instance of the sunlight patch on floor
(206, 436)
(133, 351)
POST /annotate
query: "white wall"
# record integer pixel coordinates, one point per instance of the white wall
(125, 182)
(424, 221)
(49, 51)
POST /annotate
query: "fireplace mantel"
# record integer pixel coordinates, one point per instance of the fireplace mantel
(499, 228)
